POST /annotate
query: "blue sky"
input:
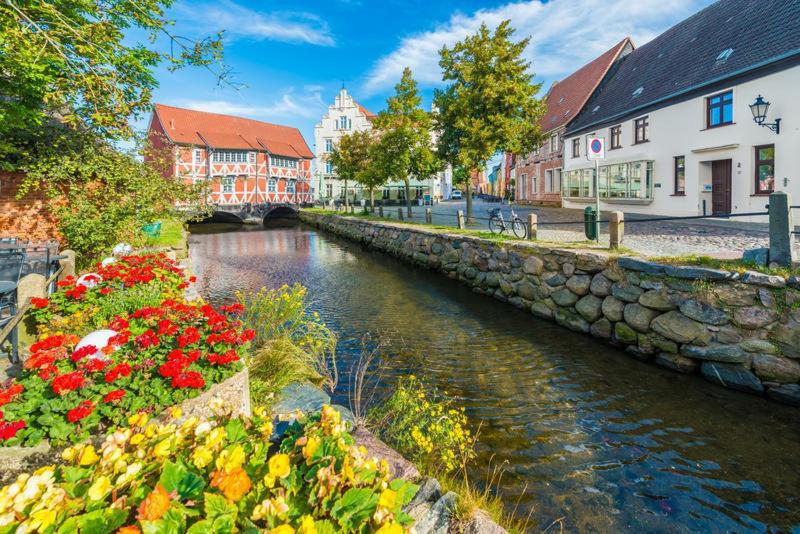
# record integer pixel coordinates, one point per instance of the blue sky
(294, 56)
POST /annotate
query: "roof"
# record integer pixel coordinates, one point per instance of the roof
(727, 39)
(367, 113)
(567, 97)
(187, 126)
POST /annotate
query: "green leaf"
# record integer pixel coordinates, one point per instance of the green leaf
(224, 524)
(405, 491)
(217, 505)
(355, 506)
(101, 521)
(235, 430)
(324, 526)
(171, 476)
(201, 527)
(190, 486)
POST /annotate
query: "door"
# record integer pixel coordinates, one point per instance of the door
(721, 187)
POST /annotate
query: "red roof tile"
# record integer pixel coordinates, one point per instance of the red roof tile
(566, 98)
(370, 115)
(187, 126)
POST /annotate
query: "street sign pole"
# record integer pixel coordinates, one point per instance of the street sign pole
(596, 150)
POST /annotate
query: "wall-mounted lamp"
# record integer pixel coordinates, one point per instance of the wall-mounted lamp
(759, 109)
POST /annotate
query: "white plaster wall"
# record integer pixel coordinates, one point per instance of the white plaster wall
(679, 129)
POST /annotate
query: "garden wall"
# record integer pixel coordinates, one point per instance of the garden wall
(26, 218)
(739, 330)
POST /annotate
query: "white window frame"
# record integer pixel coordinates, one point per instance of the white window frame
(328, 144)
(272, 185)
(228, 184)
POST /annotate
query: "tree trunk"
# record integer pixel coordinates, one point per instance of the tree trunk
(346, 202)
(408, 196)
(469, 200)
(372, 199)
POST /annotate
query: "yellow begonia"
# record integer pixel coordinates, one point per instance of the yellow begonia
(282, 529)
(88, 456)
(388, 498)
(163, 448)
(216, 437)
(136, 439)
(390, 528)
(40, 520)
(311, 447)
(99, 489)
(230, 459)
(307, 525)
(201, 457)
(139, 419)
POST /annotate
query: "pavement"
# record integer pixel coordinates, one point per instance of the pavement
(706, 237)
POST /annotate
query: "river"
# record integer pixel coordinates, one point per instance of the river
(585, 433)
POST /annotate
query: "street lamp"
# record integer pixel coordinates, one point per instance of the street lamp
(759, 109)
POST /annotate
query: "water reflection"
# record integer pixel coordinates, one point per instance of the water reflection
(588, 434)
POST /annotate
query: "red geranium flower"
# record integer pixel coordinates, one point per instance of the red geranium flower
(114, 396)
(82, 352)
(121, 369)
(67, 382)
(76, 292)
(8, 395)
(9, 429)
(106, 290)
(189, 379)
(148, 339)
(81, 411)
(189, 337)
(38, 302)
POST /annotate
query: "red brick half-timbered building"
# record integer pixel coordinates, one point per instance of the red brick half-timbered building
(244, 161)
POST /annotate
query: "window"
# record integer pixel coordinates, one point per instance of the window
(719, 109)
(553, 143)
(640, 127)
(765, 169)
(616, 136)
(576, 147)
(284, 162)
(272, 185)
(555, 187)
(228, 183)
(401, 193)
(548, 181)
(623, 181)
(196, 155)
(385, 194)
(343, 122)
(290, 186)
(418, 193)
(251, 156)
(230, 156)
(328, 190)
(680, 175)
(328, 167)
(328, 145)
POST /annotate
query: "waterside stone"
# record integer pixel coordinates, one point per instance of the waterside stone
(568, 318)
(590, 307)
(637, 264)
(718, 353)
(752, 317)
(761, 279)
(624, 333)
(626, 292)
(785, 393)
(579, 284)
(677, 327)
(696, 273)
(657, 300)
(601, 328)
(639, 317)
(676, 362)
(776, 368)
(600, 286)
(705, 313)
(731, 375)
(613, 308)
(564, 297)
(787, 337)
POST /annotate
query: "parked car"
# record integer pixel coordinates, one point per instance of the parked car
(456, 195)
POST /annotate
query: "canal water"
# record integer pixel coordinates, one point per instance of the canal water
(587, 435)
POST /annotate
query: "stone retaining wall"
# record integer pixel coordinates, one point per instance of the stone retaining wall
(739, 330)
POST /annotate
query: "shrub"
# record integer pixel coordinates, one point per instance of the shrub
(217, 476)
(291, 343)
(424, 426)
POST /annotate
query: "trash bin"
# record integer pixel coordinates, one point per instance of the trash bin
(590, 222)
(152, 229)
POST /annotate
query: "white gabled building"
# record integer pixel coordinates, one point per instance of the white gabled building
(346, 115)
(679, 132)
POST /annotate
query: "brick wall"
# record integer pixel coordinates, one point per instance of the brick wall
(28, 218)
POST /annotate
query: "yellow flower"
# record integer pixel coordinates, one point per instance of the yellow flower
(388, 498)
(307, 525)
(215, 437)
(266, 429)
(283, 529)
(201, 457)
(88, 456)
(99, 488)
(175, 412)
(230, 459)
(163, 447)
(279, 466)
(69, 454)
(137, 439)
(41, 519)
(139, 419)
(311, 447)
(390, 528)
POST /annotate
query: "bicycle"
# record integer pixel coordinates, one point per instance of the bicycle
(497, 224)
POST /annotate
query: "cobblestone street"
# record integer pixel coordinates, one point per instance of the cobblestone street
(709, 237)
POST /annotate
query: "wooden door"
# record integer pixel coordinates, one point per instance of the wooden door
(721, 187)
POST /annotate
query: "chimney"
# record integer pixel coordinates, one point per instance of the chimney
(171, 124)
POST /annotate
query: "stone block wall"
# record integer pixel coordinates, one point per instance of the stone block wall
(26, 218)
(739, 330)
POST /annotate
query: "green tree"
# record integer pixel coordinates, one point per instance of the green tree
(490, 104)
(405, 130)
(350, 157)
(67, 60)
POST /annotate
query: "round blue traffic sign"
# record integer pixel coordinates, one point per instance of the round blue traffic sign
(596, 146)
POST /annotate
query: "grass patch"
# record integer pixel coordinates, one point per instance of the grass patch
(738, 266)
(173, 235)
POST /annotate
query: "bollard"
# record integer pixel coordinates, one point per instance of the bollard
(460, 219)
(533, 226)
(380, 211)
(616, 228)
(781, 239)
(68, 263)
(30, 286)
(428, 216)
(399, 214)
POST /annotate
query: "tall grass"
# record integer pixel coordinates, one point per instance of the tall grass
(291, 343)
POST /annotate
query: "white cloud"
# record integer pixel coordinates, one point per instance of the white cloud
(242, 22)
(565, 35)
(290, 105)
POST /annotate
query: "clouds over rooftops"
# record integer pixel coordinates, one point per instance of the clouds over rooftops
(565, 35)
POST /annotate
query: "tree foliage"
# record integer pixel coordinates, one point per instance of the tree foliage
(405, 132)
(350, 156)
(67, 60)
(490, 104)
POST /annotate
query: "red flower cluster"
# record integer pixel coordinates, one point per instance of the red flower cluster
(140, 269)
(146, 340)
(234, 309)
(39, 303)
(83, 352)
(67, 382)
(76, 292)
(9, 429)
(114, 396)
(230, 356)
(189, 379)
(8, 395)
(81, 411)
(190, 336)
(121, 369)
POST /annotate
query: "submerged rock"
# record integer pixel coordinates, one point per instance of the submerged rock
(732, 375)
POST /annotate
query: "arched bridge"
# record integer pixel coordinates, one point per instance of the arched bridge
(254, 213)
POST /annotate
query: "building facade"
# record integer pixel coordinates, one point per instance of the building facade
(679, 132)
(243, 161)
(539, 172)
(346, 115)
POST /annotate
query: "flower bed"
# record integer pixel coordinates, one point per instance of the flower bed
(157, 356)
(221, 475)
